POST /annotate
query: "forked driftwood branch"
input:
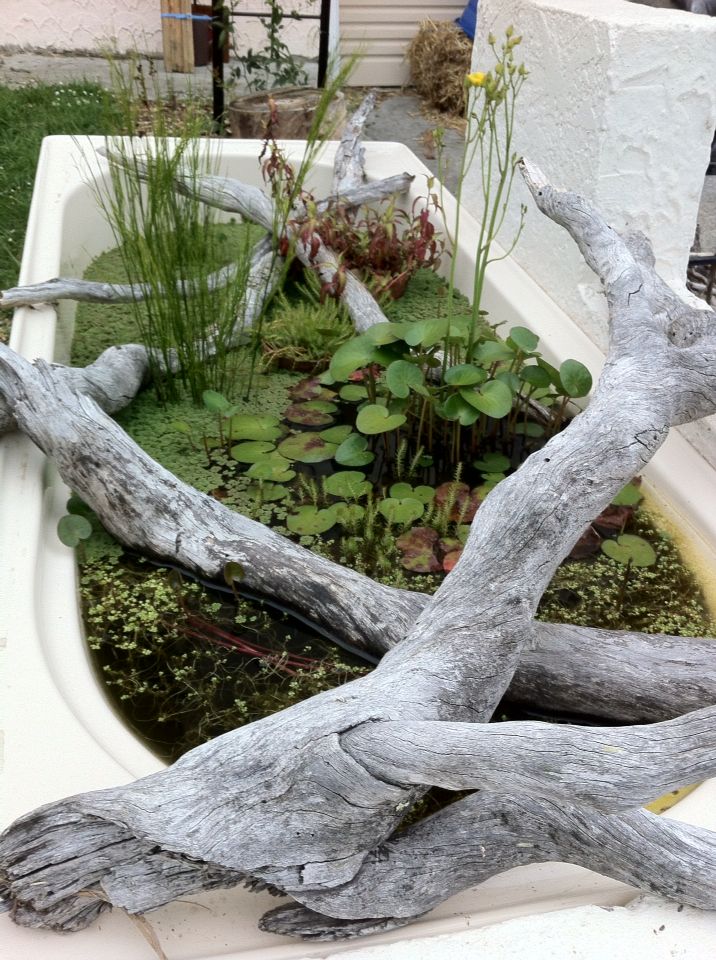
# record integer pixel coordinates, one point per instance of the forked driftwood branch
(308, 800)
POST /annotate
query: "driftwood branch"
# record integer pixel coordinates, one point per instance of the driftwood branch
(636, 678)
(485, 834)
(308, 800)
(349, 163)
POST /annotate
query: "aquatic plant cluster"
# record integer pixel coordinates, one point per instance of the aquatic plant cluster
(186, 665)
(376, 450)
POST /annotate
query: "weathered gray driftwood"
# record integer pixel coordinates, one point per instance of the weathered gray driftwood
(349, 164)
(636, 677)
(484, 834)
(307, 800)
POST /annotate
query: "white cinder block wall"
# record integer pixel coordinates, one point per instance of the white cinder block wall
(134, 25)
(621, 106)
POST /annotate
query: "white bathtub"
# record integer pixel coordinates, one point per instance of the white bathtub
(60, 734)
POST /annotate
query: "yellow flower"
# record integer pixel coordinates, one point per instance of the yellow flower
(476, 79)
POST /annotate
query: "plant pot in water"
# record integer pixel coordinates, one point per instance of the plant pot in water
(296, 108)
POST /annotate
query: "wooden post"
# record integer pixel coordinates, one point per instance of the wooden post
(177, 36)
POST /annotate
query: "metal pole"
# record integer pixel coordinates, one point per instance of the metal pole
(323, 42)
(219, 23)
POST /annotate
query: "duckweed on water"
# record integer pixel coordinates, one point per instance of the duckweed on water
(664, 598)
(179, 663)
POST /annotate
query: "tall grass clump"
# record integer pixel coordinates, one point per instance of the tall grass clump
(191, 318)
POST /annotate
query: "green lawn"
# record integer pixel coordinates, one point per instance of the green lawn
(28, 114)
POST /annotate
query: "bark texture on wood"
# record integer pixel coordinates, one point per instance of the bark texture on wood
(307, 800)
(485, 834)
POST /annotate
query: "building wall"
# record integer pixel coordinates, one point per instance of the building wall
(82, 25)
(381, 32)
(620, 106)
(90, 25)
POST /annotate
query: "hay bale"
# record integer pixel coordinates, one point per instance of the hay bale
(439, 56)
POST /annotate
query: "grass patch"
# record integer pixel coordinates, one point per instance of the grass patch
(27, 114)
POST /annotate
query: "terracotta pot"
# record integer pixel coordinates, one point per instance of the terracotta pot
(248, 116)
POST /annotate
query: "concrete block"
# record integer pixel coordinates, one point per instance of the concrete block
(620, 105)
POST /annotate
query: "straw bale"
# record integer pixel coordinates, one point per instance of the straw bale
(439, 56)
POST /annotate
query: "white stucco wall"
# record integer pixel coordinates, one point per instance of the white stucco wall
(86, 25)
(89, 25)
(621, 106)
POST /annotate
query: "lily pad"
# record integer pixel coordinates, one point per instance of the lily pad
(576, 379)
(628, 496)
(310, 389)
(493, 399)
(274, 467)
(492, 463)
(245, 426)
(336, 434)
(420, 561)
(353, 392)
(307, 416)
(465, 375)
(268, 492)
(307, 448)
(215, 402)
(423, 493)
(493, 351)
(402, 511)
(309, 520)
(374, 418)
(252, 451)
(417, 537)
(426, 333)
(180, 426)
(349, 513)
(418, 550)
(523, 339)
(354, 452)
(535, 376)
(350, 356)
(529, 429)
(73, 528)
(348, 484)
(324, 406)
(401, 377)
(457, 408)
(630, 549)
(382, 333)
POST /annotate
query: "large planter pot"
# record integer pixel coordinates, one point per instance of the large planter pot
(296, 110)
(61, 735)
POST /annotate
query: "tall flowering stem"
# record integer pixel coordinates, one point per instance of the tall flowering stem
(491, 120)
